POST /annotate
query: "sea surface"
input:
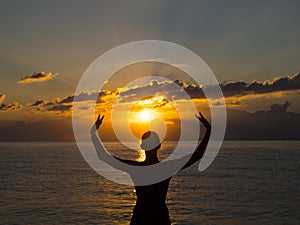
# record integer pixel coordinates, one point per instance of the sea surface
(250, 182)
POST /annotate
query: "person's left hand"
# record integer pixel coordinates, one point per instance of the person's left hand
(99, 121)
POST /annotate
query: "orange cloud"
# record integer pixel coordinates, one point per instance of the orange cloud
(10, 106)
(2, 98)
(37, 77)
(4, 107)
(238, 94)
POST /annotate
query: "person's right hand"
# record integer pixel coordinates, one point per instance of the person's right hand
(99, 121)
(203, 120)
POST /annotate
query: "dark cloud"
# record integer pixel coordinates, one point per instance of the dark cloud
(8, 106)
(60, 108)
(277, 108)
(237, 88)
(163, 88)
(49, 106)
(229, 89)
(37, 77)
(68, 99)
(234, 88)
(256, 87)
(280, 108)
(42, 105)
(273, 124)
(86, 96)
(65, 104)
(38, 102)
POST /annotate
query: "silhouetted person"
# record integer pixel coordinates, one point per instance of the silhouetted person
(151, 208)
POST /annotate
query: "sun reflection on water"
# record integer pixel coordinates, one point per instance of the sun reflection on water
(141, 155)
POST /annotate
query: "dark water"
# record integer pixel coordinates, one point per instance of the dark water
(248, 183)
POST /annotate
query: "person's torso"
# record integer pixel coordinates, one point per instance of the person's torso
(154, 194)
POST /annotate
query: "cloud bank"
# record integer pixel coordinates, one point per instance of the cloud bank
(277, 84)
(232, 91)
(273, 124)
(229, 89)
(65, 104)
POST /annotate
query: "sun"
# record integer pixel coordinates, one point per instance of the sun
(146, 115)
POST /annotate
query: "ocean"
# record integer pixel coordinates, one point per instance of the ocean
(250, 182)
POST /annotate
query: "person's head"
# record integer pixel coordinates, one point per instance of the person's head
(150, 141)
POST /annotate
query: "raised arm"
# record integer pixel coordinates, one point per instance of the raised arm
(102, 154)
(197, 155)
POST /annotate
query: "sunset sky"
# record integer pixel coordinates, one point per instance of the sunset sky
(253, 48)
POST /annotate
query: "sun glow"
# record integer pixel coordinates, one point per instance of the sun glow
(146, 115)
(151, 113)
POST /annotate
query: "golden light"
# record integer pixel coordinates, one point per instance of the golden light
(146, 115)
(152, 113)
